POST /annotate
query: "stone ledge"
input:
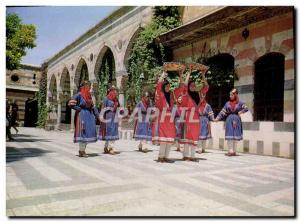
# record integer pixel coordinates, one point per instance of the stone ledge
(283, 127)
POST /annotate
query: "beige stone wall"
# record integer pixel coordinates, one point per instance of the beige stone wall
(24, 88)
(191, 13)
(25, 74)
(20, 97)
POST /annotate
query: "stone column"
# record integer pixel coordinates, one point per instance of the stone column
(120, 77)
(94, 91)
(58, 114)
(72, 115)
(59, 101)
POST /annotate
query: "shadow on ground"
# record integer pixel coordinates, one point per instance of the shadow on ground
(16, 154)
(20, 140)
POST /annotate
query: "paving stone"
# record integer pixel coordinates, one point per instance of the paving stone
(134, 184)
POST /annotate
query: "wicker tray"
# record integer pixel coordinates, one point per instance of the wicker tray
(174, 66)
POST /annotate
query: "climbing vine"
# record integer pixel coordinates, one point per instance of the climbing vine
(103, 80)
(219, 75)
(41, 97)
(147, 55)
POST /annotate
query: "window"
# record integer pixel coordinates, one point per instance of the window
(84, 75)
(14, 78)
(269, 87)
(218, 95)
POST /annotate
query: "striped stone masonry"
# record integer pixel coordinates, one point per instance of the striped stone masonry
(263, 138)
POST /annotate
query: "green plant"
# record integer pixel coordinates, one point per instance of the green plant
(41, 97)
(19, 37)
(147, 56)
(218, 75)
(103, 80)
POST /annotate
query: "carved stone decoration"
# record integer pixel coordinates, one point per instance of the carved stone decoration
(120, 45)
(245, 33)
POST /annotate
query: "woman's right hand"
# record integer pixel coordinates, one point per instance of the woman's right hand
(163, 76)
(72, 102)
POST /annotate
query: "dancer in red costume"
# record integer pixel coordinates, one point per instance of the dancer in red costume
(190, 101)
(163, 131)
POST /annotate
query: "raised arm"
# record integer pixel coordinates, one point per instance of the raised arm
(186, 82)
(158, 90)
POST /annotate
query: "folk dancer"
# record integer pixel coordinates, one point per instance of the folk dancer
(163, 130)
(190, 100)
(233, 129)
(142, 127)
(206, 115)
(86, 114)
(109, 129)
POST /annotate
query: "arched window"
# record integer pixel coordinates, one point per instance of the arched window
(84, 74)
(66, 90)
(269, 87)
(81, 72)
(221, 66)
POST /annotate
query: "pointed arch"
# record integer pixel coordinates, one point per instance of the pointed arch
(66, 91)
(81, 72)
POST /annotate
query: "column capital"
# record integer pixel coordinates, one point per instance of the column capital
(121, 73)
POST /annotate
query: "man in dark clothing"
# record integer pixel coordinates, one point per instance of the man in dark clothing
(14, 116)
(8, 122)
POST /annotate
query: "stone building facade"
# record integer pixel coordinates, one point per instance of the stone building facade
(22, 84)
(260, 42)
(83, 58)
(249, 38)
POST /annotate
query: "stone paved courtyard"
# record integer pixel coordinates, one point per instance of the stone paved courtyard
(45, 177)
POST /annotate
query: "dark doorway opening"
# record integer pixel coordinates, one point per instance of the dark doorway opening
(269, 87)
(31, 112)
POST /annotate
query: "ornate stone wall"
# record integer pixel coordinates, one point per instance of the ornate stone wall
(22, 84)
(116, 36)
(272, 35)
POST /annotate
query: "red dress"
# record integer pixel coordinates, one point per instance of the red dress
(191, 124)
(163, 128)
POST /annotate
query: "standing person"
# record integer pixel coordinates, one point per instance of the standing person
(233, 129)
(8, 122)
(14, 116)
(86, 114)
(179, 124)
(163, 131)
(142, 129)
(190, 100)
(206, 115)
(109, 130)
(179, 129)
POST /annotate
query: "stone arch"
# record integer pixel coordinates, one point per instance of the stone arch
(106, 54)
(129, 45)
(65, 87)
(81, 72)
(52, 89)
